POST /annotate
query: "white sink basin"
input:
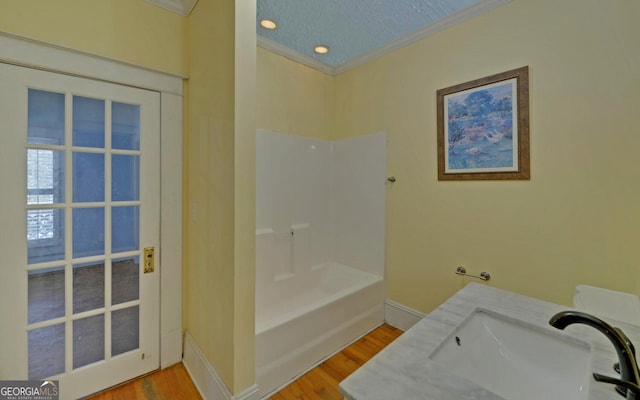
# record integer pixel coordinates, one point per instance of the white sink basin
(516, 360)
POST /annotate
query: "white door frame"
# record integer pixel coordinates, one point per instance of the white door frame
(27, 52)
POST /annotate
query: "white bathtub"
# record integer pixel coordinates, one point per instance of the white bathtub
(301, 319)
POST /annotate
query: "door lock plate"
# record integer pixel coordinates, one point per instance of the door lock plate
(149, 259)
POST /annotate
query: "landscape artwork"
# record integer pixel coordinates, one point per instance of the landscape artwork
(481, 132)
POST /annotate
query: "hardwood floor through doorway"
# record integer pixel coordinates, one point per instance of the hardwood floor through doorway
(173, 383)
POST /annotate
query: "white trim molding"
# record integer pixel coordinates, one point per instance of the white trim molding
(399, 316)
(294, 55)
(250, 394)
(205, 377)
(182, 7)
(446, 22)
(33, 53)
(170, 229)
(440, 25)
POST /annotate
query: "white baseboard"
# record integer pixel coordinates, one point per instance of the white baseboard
(205, 377)
(250, 394)
(399, 316)
(211, 386)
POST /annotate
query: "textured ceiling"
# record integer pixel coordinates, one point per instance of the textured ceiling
(352, 28)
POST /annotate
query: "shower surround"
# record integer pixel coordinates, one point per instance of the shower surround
(320, 237)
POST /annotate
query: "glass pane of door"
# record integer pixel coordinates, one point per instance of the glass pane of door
(88, 286)
(46, 117)
(46, 351)
(46, 294)
(88, 122)
(83, 232)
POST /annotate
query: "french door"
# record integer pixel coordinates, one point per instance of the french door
(79, 230)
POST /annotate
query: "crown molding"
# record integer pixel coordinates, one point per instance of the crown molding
(444, 23)
(294, 55)
(182, 7)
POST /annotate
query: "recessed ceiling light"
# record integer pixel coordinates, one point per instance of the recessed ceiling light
(321, 49)
(268, 24)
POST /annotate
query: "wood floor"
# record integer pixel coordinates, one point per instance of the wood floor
(173, 383)
(321, 383)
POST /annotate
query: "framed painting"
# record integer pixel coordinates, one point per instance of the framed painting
(483, 128)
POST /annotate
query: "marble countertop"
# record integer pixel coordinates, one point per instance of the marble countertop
(404, 371)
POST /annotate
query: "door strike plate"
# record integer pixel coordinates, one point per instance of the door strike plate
(149, 259)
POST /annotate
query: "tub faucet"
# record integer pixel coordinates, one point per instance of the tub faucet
(628, 384)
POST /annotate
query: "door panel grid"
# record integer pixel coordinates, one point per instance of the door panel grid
(74, 221)
(87, 329)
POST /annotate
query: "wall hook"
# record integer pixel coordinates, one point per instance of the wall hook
(391, 179)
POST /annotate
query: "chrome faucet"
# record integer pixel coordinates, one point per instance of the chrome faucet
(629, 383)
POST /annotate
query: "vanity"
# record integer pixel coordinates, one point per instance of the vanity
(489, 344)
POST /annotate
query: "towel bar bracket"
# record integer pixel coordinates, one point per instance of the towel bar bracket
(485, 276)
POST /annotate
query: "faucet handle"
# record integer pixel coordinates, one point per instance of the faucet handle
(630, 390)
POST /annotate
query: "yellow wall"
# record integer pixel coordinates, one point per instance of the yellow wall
(134, 31)
(220, 229)
(209, 250)
(294, 98)
(577, 220)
